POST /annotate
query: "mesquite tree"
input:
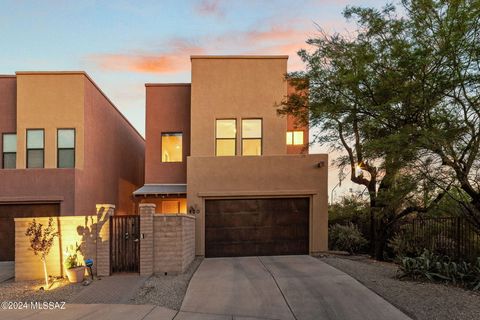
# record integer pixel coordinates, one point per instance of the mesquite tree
(41, 241)
(369, 95)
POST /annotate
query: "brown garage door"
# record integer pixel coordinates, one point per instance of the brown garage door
(250, 227)
(7, 225)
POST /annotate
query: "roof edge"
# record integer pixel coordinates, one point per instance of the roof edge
(238, 57)
(168, 84)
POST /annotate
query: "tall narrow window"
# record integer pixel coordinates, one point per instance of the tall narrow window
(172, 147)
(225, 137)
(295, 138)
(251, 137)
(9, 151)
(66, 148)
(35, 148)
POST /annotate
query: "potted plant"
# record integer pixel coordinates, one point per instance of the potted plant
(75, 270)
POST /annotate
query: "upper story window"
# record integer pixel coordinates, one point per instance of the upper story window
(35, 148)
(226, 137)
(172, 147)
(66, 148)
(9, 151)
(295, 138)
(251, 137)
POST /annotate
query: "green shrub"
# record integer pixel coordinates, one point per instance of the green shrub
(439, 268)
(403, 244)
(346, 238)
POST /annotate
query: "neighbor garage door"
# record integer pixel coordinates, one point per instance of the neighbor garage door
(249, 227)
(7, 225)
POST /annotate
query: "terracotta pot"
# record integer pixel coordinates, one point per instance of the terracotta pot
(75, 275)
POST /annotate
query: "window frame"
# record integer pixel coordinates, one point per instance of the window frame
(74, 148)
(234, 139)
(261, 137)
(27, 148)
(4, 153)
(161, 145)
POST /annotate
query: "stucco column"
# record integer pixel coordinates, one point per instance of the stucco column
(146, 210)
(104, 212)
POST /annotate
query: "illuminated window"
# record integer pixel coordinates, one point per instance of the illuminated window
(295, 138)
(251, 137)
(66, 148)
(35, 148)
(9, 151)
(225, 137)
(172, 147)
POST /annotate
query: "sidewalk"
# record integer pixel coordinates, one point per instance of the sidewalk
(116, 289)
(93, 311)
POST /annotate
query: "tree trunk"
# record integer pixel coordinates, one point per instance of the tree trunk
(380, 243)
(45, 273)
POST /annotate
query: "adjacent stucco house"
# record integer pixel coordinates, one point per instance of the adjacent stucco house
(217, 149)
(64, 148)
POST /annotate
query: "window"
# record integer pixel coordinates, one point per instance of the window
(251, 137)
(35, 148)
(172, 147)
(9, 151)
(66, 148)
(226, 137)
(295, 138)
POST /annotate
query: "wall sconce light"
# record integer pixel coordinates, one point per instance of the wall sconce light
(194, 209)
(321, 164)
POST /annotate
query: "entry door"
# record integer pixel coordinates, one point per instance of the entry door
(250, 227)
(125, 243)
(8, 212)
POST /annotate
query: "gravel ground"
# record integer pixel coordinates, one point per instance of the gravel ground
(419, 300)
(27, 291)
(166, 291)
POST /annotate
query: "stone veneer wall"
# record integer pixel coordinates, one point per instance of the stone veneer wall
(90, 232)
(167, 244)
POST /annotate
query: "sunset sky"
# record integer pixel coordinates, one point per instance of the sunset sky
(124, 44)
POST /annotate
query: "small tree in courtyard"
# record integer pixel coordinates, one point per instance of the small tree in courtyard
(41, 241)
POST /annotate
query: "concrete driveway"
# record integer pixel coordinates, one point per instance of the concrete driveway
(281, 287)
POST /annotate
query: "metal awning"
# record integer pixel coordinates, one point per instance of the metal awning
(161, 189)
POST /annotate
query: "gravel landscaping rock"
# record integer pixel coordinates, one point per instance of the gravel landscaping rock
(27, 291)
(419, 300)
(166, 291)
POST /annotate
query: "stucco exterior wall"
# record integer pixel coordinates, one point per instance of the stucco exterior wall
(114, 156)
(50, 101)
(8, 107)
(168, 110)
(237, 87)
(34, 185)
(266, 176)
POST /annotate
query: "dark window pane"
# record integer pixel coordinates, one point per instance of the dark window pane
(10, 160)
(35, 158)
(66, 158)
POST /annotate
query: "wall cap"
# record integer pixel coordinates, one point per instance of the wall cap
(173, 215)
(147, 205)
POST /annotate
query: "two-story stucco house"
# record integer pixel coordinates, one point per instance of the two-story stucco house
(64, 148)
(216, 148)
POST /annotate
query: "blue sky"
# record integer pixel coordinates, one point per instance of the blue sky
(124, 44)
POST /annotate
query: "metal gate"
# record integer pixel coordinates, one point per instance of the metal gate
(124, 243)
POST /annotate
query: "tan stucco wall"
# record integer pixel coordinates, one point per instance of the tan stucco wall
(237, 87)
(50, 101)
(81, 230)
(254, 177)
